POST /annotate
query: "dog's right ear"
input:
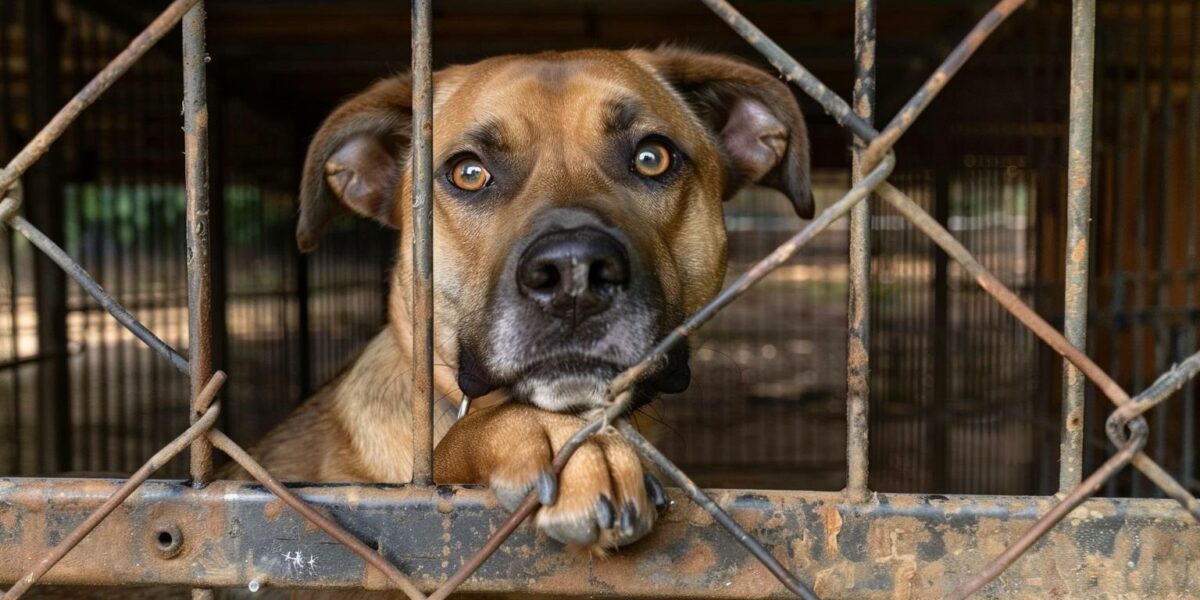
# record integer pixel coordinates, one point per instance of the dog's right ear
(356, 160)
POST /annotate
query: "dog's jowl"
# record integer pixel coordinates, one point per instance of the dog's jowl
(577, 219)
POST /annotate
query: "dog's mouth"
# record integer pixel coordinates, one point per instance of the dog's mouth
(573, 382)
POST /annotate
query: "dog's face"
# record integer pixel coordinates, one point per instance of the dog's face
(577, 212)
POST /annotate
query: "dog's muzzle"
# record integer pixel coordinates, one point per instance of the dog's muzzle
(574, 306)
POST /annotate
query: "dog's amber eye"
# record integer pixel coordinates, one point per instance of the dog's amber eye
(468, 174)
(652, 159)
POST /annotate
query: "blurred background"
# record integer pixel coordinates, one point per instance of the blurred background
(963, 399)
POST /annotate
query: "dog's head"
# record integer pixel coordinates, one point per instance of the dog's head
(577, 212)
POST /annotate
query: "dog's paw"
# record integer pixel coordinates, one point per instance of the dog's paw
(603, 498)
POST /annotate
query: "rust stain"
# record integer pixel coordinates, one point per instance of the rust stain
(700, 560)
(833, 527)
(272, 510)
(1080, 251)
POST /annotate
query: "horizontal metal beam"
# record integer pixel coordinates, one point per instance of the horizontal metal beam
(231, 534)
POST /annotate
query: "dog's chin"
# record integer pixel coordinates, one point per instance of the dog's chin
(563, 393)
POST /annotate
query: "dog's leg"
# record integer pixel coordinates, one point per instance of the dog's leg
(602, 499)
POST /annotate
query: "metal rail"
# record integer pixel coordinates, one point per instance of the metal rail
(22, 498)
(858, 359)
(422, 241)
(1078, 248)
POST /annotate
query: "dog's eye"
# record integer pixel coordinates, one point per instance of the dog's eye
(652, 159)
(469, 175)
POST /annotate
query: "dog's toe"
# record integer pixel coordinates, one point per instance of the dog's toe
(605, 499)
(512, 493)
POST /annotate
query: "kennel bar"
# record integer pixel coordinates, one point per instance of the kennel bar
(858, 358)
(199, 263)
(422, 243)
(1078, 246)
(911, 542)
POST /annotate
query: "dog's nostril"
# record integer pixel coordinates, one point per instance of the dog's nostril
(607, 272)
(543, 277)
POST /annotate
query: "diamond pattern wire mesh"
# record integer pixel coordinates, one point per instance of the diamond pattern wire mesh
(1126, 426)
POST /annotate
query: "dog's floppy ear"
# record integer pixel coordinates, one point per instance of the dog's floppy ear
(356, 160)
(753, 114)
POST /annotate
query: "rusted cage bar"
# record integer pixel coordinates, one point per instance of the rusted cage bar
(1078, 248)
(195, 129)
(859, 309)
(422, 243)
(859, 550)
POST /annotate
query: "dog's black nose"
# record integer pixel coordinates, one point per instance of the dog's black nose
(573, 273)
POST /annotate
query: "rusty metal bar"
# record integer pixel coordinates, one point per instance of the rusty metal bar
(942, 75)
(1078, 247)
(858, 312)
(760, 269)
(345, 538)
(10, 205)
(422, 243)
(156, 462)
(1043, 525)
(902, 542)
(199, 264)
(101, 82)
(697, 495)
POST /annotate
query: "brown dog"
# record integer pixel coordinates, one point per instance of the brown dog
(578, 219)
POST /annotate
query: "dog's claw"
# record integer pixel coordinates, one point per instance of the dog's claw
(628, 516)
(657, 494)
(547, 487)
(604, 512)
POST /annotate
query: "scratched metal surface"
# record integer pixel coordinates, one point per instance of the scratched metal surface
(894, 546)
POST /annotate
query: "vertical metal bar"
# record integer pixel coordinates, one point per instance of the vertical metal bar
(422, 299)
(45, 209)
(858, 311)
(1188, 340)
(195, 141)
(195, 145)
(1078, 247)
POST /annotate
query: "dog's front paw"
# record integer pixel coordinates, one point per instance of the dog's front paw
(603, 498)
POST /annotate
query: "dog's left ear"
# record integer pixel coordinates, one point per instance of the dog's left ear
(753, 115)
